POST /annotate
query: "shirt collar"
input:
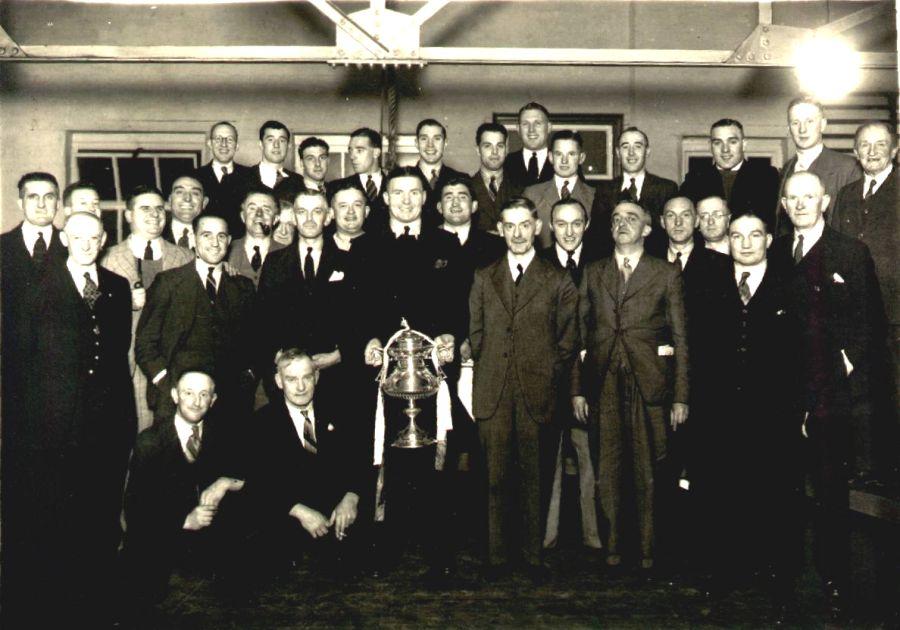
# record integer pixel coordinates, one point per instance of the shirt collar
(811, 235)
(178, 228)
(806, 157)
(30, 233)
(302, 246)
(202, 268)
(77, 273)
(218, 166)
(184, 429)
(462, 231)
(541, 156)
(633, 259)
(733, 169)
(637, 177)
(559, 181)
(879, 178)
(563, 256)
(755, 278)
(376, 178)
(415, 228)
(486, 176)
(685, 250)
(296, 414)
(519, 259)
(426, 169)
(138, 245)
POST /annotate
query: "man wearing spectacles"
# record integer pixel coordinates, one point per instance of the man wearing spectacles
(714, 217)
(220, 175)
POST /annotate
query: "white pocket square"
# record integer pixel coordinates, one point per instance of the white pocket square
(330, 427)
(837, 278)
(336, 276)
(665, 351)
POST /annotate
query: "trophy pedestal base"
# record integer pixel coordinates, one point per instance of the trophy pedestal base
(413, 437)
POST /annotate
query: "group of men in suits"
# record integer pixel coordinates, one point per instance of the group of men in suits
(629, 330)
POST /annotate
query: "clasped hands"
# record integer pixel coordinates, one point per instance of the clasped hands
(445, 344)
(342, 517)
(203, 515)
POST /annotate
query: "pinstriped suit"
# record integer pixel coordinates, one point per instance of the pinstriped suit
(119, 259)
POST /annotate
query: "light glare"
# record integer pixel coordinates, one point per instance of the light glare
(827, 67)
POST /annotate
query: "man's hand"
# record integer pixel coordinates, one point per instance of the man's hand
(465, 351)
(445, 344)
(138, 298)
(344, 515)
(374, 353)
(200, 517)
(230, 269)
(580, 408)
(214, 494)
(679, 414)
(325, 360)
(311, 520)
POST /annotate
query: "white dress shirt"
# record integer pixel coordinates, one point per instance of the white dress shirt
(138, 245)
(316, 252)
(811, 236)
(297, 418)
(633, 259)
(415, 228)
(77, 273)
(30, 235)
(202, 268)
(178, 229)
(561, 180)
(757, 272)
(638, 181)
(268, 173)
(263, 243)
(515, 260)
(486, 177)
(879, 179)
(461, 231)
(184, 429)
(376, 179)
(805, 157)
(686, 250)
(541, 157)
(220, 169)
(563, 256)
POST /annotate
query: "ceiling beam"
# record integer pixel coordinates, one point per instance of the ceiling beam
(354, 30)
(428, 10)
(854, 19)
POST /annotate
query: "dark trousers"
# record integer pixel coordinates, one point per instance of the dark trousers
(519, 455)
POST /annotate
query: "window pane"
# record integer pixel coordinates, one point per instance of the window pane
(170, 168)
(110, 218)
(135, 171)
(99, 171)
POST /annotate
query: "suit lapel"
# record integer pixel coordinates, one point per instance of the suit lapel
(532, 281)
(503, 283)
(639, 277)
(609, 277)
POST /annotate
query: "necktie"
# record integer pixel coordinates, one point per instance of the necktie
(678, 262)
(91, 292)
(224, 173)
(183, 240)
(279, 178)
(371, 191)
(521, 273)
(40, 249)
(533, 168)
(632, 190)
(492, 187)
(211, 286)
(309, 433)
(193, 444)
(564, 192)
(626, 272)
(571, 267)
(309, 267)
(798, 250)
(871, 190)
(406, 235)
(433, 181)
(148, 252)
(256, 261)
(322, 188)
(744, 288)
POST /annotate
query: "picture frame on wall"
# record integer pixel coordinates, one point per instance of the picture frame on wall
(598, 130)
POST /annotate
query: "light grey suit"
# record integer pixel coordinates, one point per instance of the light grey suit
(119, 259)
(545, 194)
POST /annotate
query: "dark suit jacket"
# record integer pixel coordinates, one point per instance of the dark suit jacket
(533, 333)
(516, 171)
(835, 299)
(588, 254)
(225, 196)
(655, 192)
(282, 473)
(178, 329)
(429, 209)
(834, 168)
(237, 256)
(755, 189)
(378, 213)
(544, 195)
(650, 315)
(489, 208)
(874, 222)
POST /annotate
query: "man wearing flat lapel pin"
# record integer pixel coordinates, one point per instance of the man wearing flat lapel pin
(570, 252)
(634, 184)
(221, 176)
(524, 336)
(431, 141)
(745, 186)
(350, 208)
(531, 164)
(835, 299)
(631, 314)
(566, 155)
(139, 259)
(714, 217)
(198, 313)
(186, 202)
(75, 442)
(365, 159)
(247, 254)
(490, 186)
(302, 296)
(81, 196)
(806, 124)
(314, 156)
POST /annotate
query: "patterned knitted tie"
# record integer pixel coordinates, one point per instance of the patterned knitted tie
(798, 250)
(492, 187)
(309, 433)
(371, 190)
(564, 192)
(744, 288)
(193, 444)
(211, 285)
(91, 291)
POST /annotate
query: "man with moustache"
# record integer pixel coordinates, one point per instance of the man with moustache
(531, 164)
(566, 156)
(431, 140)
(569, 224)
(867, 210)
(365, 158)
(633, 327)
(524, 338)
(139, 259)
(350, 209)
(197, 313)
(714, 217)
(490, 187)
(806, 124)
(71, 454)
(81, 196)
(313, 154)
(247, 254)
(834, 297)
(221, 176)
(634, 184)
(186, 202)
(744, 185)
